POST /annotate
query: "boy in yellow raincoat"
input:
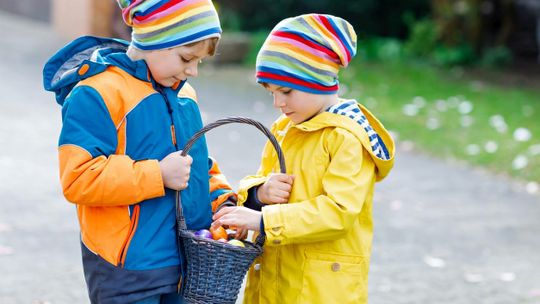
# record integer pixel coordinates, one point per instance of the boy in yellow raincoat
(319, 231)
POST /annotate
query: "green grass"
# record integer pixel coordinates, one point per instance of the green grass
(386, 88)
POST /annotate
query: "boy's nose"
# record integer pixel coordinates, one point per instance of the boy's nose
(278, 102)
(192, 71)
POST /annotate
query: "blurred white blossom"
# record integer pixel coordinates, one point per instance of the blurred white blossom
(441, 105)
(491, 147)
(419, 102)
(520, 162)
(498, 122)
(522, 134)
(453, 101)
(465, 107)
(433, 123)
(472, 149)
(410, 110)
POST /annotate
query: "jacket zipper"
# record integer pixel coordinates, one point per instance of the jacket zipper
(131, 232)
(177, 193)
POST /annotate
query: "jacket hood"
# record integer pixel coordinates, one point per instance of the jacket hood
(355, 118)
(85, 57)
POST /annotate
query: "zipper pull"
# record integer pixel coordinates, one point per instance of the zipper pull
(173, 134)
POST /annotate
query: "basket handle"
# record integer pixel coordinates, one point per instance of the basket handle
(179, 212)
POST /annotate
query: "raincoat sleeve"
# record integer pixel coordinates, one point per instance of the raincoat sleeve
(221, 193)
(247, 183)
(91, 172)
(346, 183)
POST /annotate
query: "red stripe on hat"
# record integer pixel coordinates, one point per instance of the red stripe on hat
(164, 7)
(296, 81)
(329, 26)
(311, 44)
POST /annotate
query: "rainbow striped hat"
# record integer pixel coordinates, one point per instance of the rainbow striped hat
(306, 52)
(159, 24)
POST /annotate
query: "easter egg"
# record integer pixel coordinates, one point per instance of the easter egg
(236, 243)
(222, 240)
(203, 233)
(218, 233)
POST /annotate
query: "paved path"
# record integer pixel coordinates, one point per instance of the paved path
(444, 233)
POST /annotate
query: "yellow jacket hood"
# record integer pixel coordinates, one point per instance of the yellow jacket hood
(358, 120)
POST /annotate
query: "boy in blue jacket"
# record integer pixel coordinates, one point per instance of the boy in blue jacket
(127, 110)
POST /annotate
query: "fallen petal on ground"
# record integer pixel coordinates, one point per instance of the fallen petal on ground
(434, 262)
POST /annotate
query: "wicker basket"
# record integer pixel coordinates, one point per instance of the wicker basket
(214, 271)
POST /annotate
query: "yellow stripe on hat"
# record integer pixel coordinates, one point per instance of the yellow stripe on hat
(304, 53)
(326, 65)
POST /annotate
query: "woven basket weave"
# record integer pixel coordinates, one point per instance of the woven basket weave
(214, 270)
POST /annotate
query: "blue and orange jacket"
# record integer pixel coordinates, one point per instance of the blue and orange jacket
(117, 124)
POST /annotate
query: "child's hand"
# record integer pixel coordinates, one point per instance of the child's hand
(175, 170)
(276, 189)
(240, 217)
(240, 233)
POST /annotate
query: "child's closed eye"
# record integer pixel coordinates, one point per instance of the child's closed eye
(185, 60)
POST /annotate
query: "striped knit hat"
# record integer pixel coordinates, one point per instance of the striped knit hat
(306, 52)
(160, 24)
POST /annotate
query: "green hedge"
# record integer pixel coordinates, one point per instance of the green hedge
(369, 17)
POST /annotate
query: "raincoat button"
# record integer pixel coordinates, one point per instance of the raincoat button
(83, 69)
(276, 242)
(275, 229)
(257, 267)
(336, 267)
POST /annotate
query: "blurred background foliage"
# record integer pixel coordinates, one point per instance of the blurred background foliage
(488, 33)
(458, 79)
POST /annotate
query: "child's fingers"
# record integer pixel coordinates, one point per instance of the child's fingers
(284, 187)
(225, 220)
(241, 234)
(279, 198)
(222, 212)
(284, 178)
(284, 195)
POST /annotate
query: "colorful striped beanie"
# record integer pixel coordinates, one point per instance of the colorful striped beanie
(160, 24)
(306, 52)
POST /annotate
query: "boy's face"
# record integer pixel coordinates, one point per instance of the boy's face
(297, 105)
(170, 66)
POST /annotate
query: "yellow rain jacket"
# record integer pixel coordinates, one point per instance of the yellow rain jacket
(318, 246)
